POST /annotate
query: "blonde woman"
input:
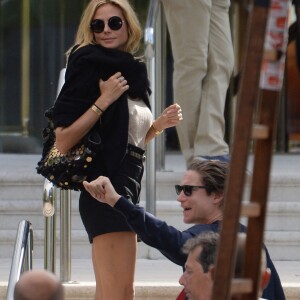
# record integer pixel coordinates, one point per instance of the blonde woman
(107, 88)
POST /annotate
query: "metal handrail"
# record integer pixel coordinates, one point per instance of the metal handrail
(65, 235)
(150, 62)
(150, 26)
(155, 44)
(22, 258)
(49, 208)
(65, 217)
(155, 39)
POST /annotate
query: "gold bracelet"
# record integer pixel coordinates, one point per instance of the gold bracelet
(99, 108)
(156, 131)
(96, 110)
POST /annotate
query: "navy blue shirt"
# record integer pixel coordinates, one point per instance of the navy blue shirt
(169, 240)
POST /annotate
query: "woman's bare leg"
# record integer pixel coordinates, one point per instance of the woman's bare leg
(114, 259)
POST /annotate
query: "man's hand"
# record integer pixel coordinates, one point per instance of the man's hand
(102, 190)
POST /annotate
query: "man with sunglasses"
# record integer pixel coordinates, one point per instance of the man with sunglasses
(201, 196)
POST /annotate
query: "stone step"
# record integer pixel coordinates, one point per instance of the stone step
(22, 183)
(21, 194)
(280, 215)
(276, 241)
(282, 227)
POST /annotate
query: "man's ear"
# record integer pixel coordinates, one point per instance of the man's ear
(218, 198)
(212, 270)
(265, 278)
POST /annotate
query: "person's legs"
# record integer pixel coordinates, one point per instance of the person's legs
(188, 25)
(114, 259)
(209, 139)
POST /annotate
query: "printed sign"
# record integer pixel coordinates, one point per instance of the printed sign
(273, 64)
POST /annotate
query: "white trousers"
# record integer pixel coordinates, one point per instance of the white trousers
(203, 64)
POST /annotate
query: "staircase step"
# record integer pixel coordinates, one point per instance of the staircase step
(282, 227)
(21, 197)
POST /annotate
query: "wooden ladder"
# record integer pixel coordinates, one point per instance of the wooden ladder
(258, 104)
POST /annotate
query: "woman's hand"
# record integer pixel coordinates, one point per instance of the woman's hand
(111, 90)
(102, 190)
(170, 117)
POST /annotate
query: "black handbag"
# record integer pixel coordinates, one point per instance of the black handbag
(67, 171)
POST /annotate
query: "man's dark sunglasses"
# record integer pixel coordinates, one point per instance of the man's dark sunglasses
(114, 23)
(187, 189)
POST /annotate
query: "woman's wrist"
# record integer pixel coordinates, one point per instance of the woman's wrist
(97, 110)
(101, 104)
(155, 128)
(98, 107)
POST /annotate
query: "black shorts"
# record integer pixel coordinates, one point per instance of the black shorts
(99, 218)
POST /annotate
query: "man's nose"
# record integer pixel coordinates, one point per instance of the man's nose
(181, 197)
(181, 279)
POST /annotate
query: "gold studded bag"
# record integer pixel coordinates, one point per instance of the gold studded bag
(67, 171)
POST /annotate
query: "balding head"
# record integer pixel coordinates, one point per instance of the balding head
(38, 285)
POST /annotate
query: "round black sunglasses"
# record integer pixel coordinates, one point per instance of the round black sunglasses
(114, 23)
(187, 189)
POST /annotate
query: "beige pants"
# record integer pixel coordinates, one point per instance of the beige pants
(203, 63)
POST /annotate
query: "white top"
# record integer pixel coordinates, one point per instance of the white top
(140, 120)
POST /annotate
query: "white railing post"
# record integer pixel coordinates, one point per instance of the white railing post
(49, 209)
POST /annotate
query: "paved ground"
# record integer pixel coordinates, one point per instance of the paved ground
(151, 271)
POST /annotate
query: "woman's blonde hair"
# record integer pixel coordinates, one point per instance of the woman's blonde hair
(85, 35)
